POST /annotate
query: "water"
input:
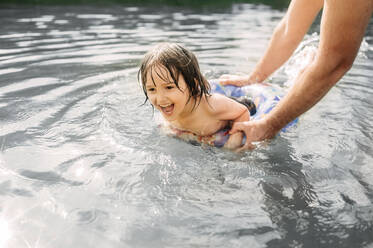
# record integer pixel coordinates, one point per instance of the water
(82, 163)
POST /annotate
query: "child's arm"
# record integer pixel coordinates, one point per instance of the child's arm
(225, 108)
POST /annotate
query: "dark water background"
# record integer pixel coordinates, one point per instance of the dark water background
(82, 163)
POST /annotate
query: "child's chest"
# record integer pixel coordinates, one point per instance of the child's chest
(203, 126)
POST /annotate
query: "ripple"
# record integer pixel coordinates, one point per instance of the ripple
(45, 18)
(20, 35)
(7, 189)
(96, 16)
(86, 216)
(10, 70)
(14, 88)
(82, 153)
(48, 177)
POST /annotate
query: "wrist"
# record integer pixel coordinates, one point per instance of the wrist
(257, 77)
(272, 126)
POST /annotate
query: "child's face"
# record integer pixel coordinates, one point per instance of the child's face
(164, 95)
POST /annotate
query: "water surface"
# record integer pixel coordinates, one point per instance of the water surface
(83, 164)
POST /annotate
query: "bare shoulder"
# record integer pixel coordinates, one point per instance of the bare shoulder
(220, 99)
(225, 108)
(219, 102)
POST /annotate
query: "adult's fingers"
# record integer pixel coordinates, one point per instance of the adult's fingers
(244, 126)
(236, 127)
(225, 76)
(245, 147)
(236, 80)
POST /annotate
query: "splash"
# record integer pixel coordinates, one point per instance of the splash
(305, 54)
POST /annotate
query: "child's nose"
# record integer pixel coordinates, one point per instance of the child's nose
(161, 98)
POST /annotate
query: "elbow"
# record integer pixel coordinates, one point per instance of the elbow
(287, 34)
(340, 68)
(244, 116)
(283, 34)
(333, 66)
(343, 64)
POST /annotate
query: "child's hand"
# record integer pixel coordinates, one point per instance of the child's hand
(234, 141)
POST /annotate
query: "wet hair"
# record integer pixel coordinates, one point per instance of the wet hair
(177, 60)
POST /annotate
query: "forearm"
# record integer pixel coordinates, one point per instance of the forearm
(308, 89)
(286, 37)
(280, 48)
(342, 30)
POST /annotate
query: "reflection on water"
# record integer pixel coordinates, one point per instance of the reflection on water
(5, 232)
(82, 163)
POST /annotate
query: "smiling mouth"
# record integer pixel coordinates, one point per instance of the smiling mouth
(168, 109)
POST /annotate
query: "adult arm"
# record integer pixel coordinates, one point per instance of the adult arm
(285, 39)
(343, 26)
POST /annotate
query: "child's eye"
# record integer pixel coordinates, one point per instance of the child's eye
(169, 87)
(151, 90)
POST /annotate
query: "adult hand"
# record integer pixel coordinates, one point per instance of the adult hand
(236, 80)
(255, 130)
